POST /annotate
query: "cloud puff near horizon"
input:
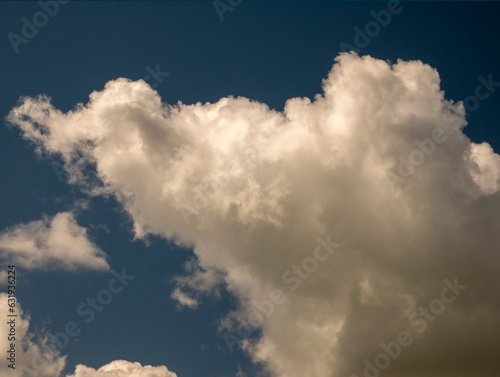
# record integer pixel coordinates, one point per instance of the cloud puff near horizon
(122, 368)
(251, 189)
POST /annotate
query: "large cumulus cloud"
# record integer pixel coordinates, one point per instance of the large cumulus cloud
(251, 189)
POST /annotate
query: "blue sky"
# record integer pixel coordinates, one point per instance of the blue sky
(265, 51)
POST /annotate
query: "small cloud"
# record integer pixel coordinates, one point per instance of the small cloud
(183, 299)
(56, 242)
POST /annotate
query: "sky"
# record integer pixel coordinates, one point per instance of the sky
(238, 188)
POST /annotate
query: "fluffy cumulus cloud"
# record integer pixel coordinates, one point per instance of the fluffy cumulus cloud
(357, 205)
(52, 242)
(33, 354)
(121, 368)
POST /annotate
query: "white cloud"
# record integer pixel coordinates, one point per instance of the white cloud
(122, 368)
(33, 355)
(251, 189)
(52, 242)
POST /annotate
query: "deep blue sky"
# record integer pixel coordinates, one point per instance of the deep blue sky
(265, 51)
